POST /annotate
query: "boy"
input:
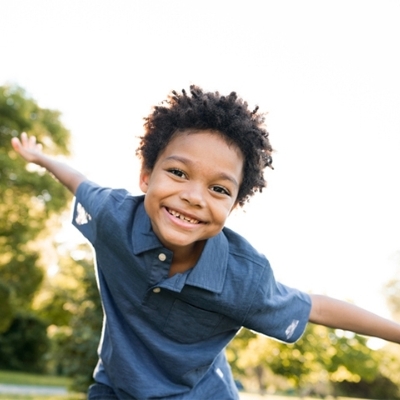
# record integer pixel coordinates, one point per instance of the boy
(176, 285)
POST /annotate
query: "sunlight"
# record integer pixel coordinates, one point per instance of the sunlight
(52, 270)
(375, 343)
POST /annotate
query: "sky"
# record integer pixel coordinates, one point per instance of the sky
(325, 72)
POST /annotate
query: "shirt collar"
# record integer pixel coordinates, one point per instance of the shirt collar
(209, 272)
(143, 236)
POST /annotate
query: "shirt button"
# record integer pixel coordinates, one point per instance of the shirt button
(162, 257)
(156, 290)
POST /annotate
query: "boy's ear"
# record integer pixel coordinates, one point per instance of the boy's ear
(144, 180)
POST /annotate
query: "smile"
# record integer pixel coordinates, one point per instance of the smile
(183, 217)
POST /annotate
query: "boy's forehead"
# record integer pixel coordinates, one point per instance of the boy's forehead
(193, 131)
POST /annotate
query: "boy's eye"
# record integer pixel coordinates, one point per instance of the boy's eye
(177, 172)
(220, 189)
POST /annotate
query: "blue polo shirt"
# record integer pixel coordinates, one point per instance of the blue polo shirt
(165, 337)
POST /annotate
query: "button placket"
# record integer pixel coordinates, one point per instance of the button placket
(162, 257)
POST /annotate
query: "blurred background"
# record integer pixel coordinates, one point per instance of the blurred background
(81, 76)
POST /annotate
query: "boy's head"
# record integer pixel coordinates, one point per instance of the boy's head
(227, 115)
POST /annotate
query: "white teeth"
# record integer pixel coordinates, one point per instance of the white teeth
(182, 217)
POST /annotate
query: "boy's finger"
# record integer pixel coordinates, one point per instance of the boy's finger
(24, 138)
(32, 141)
(16, 144)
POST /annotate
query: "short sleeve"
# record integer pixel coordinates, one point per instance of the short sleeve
(278, 311)
(89, 200)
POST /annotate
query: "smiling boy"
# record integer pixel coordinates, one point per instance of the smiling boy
(190, 193)
(176, 285)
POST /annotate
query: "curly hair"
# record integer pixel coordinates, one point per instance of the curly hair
(228, 116)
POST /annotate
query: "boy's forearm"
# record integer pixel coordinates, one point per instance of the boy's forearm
(341, 315)
(31, 151)
(68, 176)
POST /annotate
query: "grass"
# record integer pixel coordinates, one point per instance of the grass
(22, 378)
(72, 396)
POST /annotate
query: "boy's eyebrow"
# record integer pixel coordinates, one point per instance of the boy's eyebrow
(220, 175)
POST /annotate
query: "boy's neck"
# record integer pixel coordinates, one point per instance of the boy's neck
(185, 259)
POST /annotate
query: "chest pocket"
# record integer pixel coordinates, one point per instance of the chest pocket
(188, 324)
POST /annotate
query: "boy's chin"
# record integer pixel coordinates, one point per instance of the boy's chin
(182, 244)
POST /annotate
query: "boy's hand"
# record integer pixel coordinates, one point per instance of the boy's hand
(27, 147)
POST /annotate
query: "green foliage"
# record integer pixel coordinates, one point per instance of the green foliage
(322, 361)
(23, 345)
(379, 388)
(26, 199)
(6, 308)
(23, 277)
(344, 355)
(77, 336)
(236, 350)
(19, 113)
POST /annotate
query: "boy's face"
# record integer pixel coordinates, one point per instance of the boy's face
(192, 188)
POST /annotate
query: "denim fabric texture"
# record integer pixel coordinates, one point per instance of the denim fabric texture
(165, 337)
(98, 391)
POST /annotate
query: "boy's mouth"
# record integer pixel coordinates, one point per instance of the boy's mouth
(183, 217)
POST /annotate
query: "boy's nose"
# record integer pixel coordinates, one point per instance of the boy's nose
(194, 194)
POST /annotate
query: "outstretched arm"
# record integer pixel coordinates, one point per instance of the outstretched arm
(31, 151)
(341, 315)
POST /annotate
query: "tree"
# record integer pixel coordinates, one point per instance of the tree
(6, 310)
(24, 345)
(321, 361)
(73, 306)
(28, 199)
